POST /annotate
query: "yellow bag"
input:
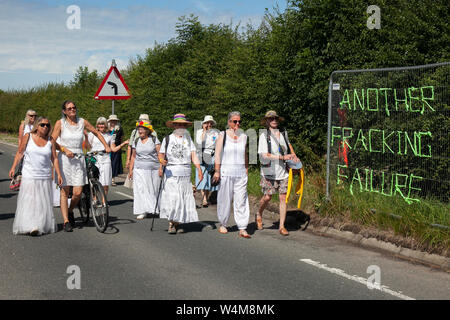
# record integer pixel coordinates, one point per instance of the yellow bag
(298, 187)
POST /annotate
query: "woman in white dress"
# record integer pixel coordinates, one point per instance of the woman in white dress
(206, 140)
(231, 168)
(70, 130)
(176, 154)
(25, 127)
(34, 213)
(144, 170)
(103, 161)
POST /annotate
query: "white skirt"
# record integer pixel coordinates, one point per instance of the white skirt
(35, 207)
(177, 200)
(56, 194)
(105, 169)
(145, 190)
(73, 171)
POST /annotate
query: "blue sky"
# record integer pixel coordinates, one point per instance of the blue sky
(37, 47)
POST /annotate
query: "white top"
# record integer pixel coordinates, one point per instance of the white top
(97, 145)
(146, 155)
(277, 169)
(72, 136)
(37, 162)
(178, 154)
(211, 138)
(27, 128)
(233, 156)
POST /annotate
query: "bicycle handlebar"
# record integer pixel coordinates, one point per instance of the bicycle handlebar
(90, 153)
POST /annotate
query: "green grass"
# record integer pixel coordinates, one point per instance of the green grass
(372, 210)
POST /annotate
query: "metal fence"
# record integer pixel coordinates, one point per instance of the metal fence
(388, 132)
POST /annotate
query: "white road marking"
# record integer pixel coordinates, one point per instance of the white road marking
(124, 194)
(355, 278)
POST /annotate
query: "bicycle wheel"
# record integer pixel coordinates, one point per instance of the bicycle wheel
(83, 205)
(99, 206)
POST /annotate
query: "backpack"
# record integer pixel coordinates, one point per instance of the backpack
(269, 145)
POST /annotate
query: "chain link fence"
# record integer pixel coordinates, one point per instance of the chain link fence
(388, 133)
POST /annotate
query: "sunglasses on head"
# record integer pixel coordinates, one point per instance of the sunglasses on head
(44, 125)
(237, 121)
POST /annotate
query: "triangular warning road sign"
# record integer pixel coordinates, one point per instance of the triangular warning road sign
(113, 87)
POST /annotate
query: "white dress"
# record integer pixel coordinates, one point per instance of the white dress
(73, 170)
(103, 162)
(34, 203)
(146, 178)
(177, 198)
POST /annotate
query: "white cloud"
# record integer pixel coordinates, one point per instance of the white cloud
(34, 37)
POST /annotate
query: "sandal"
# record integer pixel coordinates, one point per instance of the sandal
(172, 229)
(223, 230)
(244, 234)
(284, 232)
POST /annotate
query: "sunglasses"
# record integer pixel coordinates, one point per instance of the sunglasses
(32, 115)
(73, 108)
(237, 121)
(272, 119)
(44, 125)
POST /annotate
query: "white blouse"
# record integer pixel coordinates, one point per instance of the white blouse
(178, 154)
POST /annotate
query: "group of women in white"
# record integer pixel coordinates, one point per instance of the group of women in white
(160, 171)
(223, 166)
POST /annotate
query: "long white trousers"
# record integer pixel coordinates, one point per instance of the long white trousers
(233, 189)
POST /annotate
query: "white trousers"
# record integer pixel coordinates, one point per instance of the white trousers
(233, 190)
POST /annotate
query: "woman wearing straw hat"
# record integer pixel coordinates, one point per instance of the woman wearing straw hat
(206, 139)
(103, 162)
(231, 168)
(274, 149)
(144, 170)
(177, 153)
(116, 157)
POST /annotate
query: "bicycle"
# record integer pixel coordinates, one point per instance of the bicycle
(93, 198)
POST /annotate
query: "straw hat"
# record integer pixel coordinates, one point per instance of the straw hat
(178, 118)
(144, 116)
(271, 114)
(113, 117)
(209, 119)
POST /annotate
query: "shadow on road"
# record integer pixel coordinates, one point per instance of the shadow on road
(112, 203)
(6, 216)
(7, 195)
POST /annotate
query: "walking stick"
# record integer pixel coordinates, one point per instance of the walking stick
(157, 198)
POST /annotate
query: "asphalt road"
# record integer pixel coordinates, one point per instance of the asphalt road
(130, 262)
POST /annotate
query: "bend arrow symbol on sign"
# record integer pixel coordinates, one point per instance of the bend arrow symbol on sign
(113, 86)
